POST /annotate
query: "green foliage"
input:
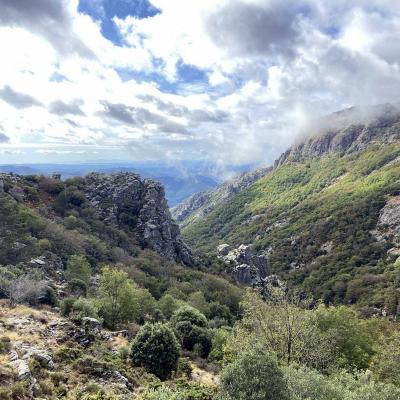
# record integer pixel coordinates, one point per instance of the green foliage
(184, 367)
(198, 301)
(254, 375)
(179, 390)
(156, 348)
(386, 362)
(117, 300)
(168, 305)
(315, 218)
(78, 268)
(191, 315)
(51, 186)
(348, 335)
(219, 339)
(66, 306)
(284, 328)
(84, 308)
(307, 384)
(191, 328)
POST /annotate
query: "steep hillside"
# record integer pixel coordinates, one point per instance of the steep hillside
(327, 215)
(202, 203)
(109, 211)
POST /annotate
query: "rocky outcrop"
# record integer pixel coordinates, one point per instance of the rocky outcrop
(200, 204)
(347, 131)
(139, 206)
(247, 268)
(388, 226)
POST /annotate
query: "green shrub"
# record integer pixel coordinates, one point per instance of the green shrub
(179, 390)
(78, 287)
(254, 375)
(84, 308)
(191, 315)
(5, 345)
(156, 349)
(78, 268)
(191, 328)
(184, 367)
(66, 306)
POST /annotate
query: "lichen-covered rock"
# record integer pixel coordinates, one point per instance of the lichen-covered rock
(21, 367)
(389, 219)
(138, 206)
(247, 268)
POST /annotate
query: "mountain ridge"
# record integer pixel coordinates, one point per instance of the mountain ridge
(318, 215)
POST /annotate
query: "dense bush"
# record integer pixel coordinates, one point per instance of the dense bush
(254, 375)
(78, 268)
(156, 348)
(191, 328)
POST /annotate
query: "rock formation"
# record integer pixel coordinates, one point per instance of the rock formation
(247, 268)
(125, 199)
(347, 131)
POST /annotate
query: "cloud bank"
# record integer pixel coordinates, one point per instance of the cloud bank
(230, 81)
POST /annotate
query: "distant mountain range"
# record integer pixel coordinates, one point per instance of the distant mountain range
(180, 181)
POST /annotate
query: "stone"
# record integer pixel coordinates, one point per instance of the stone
(22, 369)
(44, 359)
(223, 249)
(247, 267)
(121, 196)
(92, 324)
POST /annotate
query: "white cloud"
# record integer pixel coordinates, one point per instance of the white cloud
(268, 66)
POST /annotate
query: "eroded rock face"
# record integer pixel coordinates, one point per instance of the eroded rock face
(388, 227)
(347, 131)
(139, 206)
(247, 268)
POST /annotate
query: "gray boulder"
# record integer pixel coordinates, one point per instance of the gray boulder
(247, 267)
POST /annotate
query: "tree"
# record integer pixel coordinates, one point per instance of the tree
(120, 300)
(117, 300)
(156, 349)
(348, 335)
(283, 328)
(189, 314)
(78, 268)
(386, 362)
(254, 375)
(168, 305)
(191, 328)
(198, 301)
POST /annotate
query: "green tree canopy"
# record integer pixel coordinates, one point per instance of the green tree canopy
(156, 349)
(254, 375)
(78, 268)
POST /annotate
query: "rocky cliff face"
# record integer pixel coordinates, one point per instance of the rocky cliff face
(200, 204)
(388, 226)
(121, 200)
(347, 131)
(125, 199)
(247, 267)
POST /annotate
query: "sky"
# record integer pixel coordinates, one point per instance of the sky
(226, 81)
